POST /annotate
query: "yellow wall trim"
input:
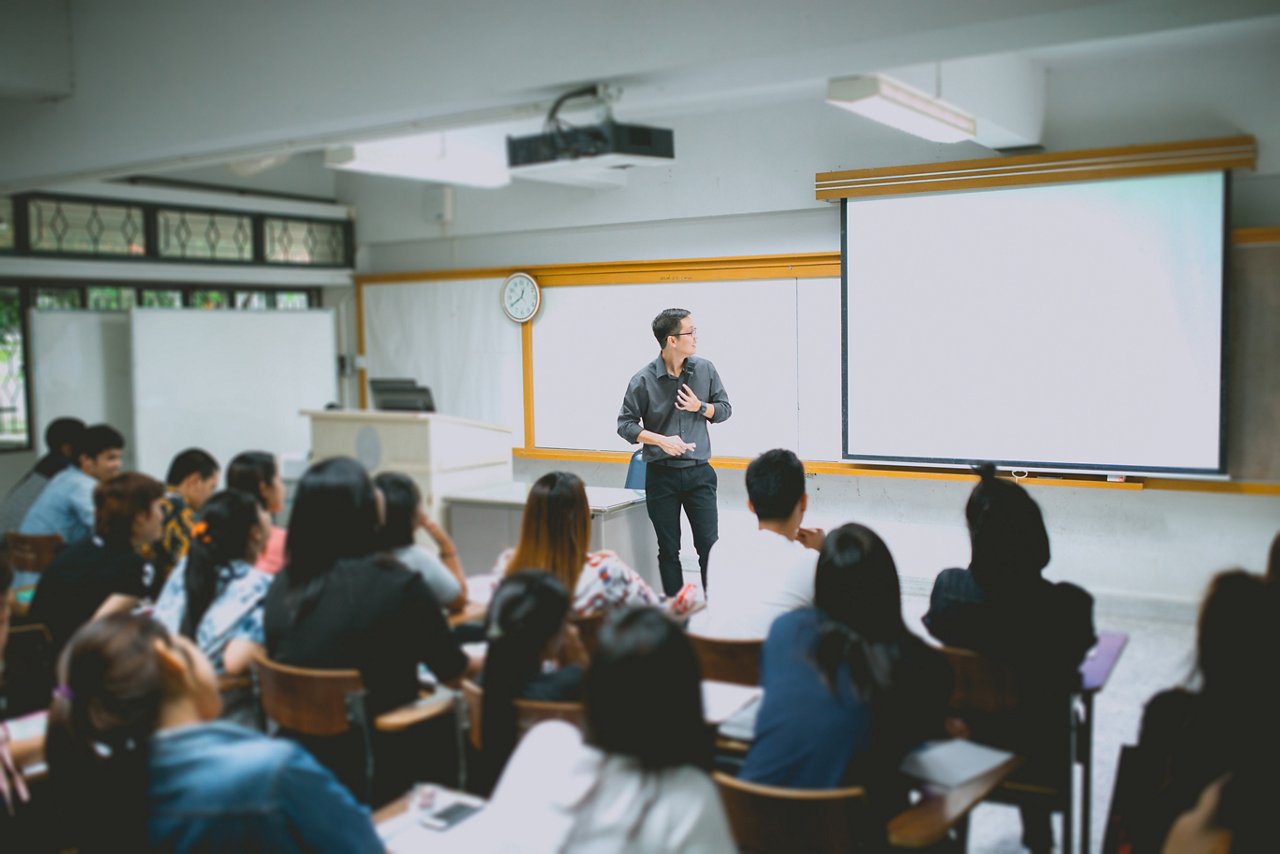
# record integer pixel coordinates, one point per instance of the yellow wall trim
(807, 265)
(1255, 236)
(1237, 152)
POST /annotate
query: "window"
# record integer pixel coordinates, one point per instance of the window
(299, 241)
(84, 228)
(58, 298)
(6, 224)
(207, 235)
(290, 300)
(13, 376)
(161, 299)
(209, 299)
(111, 299)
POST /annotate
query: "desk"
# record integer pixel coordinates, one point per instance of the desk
(483, 522)
(1095, 670)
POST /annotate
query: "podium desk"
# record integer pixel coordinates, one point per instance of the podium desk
(485, 521)
(442, 453)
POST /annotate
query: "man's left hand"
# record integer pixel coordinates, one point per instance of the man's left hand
(687, 400)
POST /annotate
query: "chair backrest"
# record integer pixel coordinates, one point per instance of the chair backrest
(309, 701)
(982, 685)
(529, 713)
(32, 552)
(736, 661)
(769, 818)
(636, 471)
(589, 631)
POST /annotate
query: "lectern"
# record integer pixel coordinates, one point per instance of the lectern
(442, 453)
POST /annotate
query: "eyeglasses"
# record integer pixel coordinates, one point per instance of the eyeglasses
(693, 332)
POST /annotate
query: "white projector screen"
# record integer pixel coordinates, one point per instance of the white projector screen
(1073, 326)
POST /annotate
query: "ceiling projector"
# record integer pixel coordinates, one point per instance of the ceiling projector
(589, 155)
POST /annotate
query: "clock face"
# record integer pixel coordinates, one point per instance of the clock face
(521, 297)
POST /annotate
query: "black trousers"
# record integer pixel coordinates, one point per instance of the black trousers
(667, 490)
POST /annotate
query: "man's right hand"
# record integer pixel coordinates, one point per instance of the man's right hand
(674, 445)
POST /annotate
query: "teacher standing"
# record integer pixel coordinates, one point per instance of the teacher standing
(667, 407)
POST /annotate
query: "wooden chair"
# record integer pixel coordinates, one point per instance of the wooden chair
(991, 698)
(529, 713)
(769, 818)
(736, 661)
(32, 552)
(329, 703)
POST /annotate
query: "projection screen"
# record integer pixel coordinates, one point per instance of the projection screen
(1062, 327)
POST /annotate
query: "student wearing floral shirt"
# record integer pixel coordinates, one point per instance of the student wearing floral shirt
(215, 597)
(555, 536)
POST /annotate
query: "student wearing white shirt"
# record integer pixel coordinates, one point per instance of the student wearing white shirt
(754, 579)
(637, 782)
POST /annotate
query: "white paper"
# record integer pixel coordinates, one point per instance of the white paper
(951, 763)
(721, 699)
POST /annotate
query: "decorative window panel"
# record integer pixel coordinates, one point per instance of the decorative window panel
(85, 228)
(6, 224)
(298, 241)
(204, 235)
(13, 375)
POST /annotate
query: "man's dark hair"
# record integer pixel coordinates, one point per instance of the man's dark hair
(63, 431)
(189, 462)
(667, 323)
(775, 482)
(98, 438)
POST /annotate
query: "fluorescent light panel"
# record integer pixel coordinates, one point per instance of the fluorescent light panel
(472, 158)
(901, 106)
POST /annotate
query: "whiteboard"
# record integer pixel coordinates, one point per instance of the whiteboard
(453, 337)
(228, 381)
(589, 341)
(81, 369)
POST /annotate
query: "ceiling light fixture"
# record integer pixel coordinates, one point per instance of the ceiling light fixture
(900, 106)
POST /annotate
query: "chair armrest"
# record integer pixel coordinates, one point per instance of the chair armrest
(424, 708)
(927, 822)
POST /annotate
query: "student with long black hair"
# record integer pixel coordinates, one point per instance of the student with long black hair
(138, 762)
(403, 516)
(215, 597)
(258, 473)
(1003, 607)
(639, 781)
(527, 628)
(339, 603)
(848, 689)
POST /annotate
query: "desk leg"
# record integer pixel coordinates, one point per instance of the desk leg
(1086, 776)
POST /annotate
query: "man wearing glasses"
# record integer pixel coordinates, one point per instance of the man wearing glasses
(666, 408)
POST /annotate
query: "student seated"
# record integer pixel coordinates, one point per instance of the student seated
(106, 572)
(527, 629)
(138, 762)
(258, 473)
(62, 437)
(638, 781)
(192, 478)
(753, 580)
(403, 515)
(848, 690)
(1002, 607)
(1189, 738)
(65, 506)
(338, 603)
(555, 535)
(215, 598)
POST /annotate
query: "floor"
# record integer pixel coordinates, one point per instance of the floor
(1159, 655)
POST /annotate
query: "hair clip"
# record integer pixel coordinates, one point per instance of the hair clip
(63, 692)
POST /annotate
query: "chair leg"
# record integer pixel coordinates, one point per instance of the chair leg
(460, 736)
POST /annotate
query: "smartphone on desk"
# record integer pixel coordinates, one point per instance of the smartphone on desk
(446, 817)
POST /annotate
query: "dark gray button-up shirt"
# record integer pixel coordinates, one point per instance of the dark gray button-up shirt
(650, 404)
